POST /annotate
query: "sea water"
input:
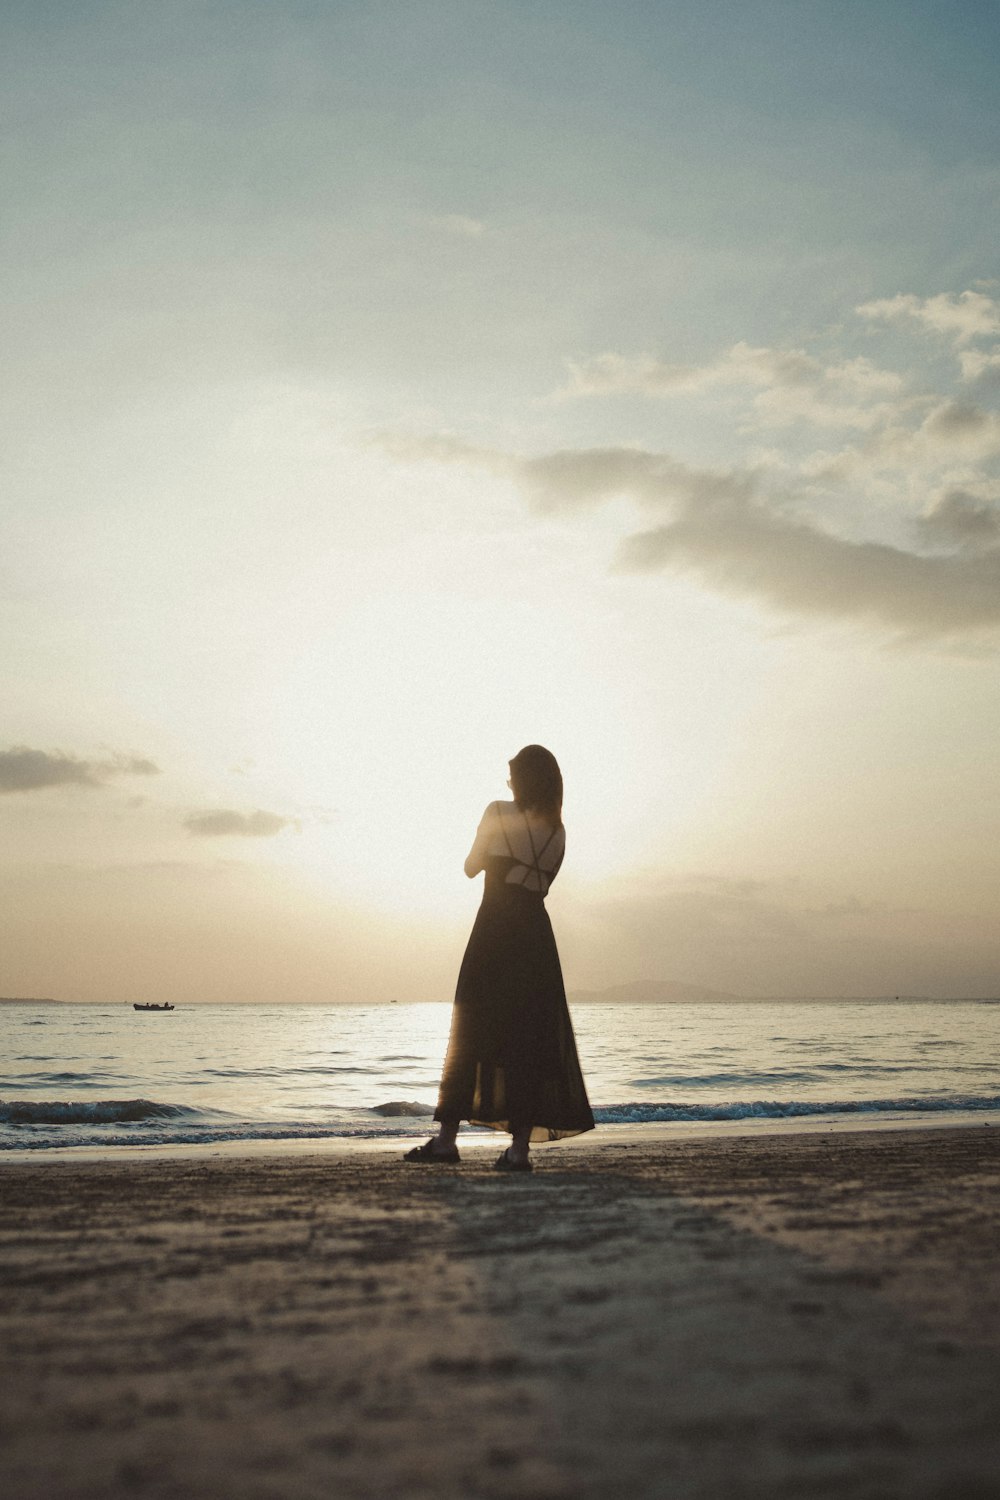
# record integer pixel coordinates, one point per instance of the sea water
(108, 1075)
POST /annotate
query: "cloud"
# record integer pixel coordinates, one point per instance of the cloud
(958, 421)
(796, 568)
(951, 430)
(780, 407)
(741, 541)
(968, 316)
(224, 823)
(613, 374)
(572, 478)
(644, 374)
(786, 386)
(726, 529)
(789, 385)
(960, 519)
(26, 770)
(980, 368)
(895, 529)
(440, 448)
(129, 765)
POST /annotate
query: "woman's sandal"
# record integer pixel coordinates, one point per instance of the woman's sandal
(503, 1163)
(427, 1153)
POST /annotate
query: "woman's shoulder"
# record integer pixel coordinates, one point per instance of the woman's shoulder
(492, 820)
(504, 813)
(496, 810)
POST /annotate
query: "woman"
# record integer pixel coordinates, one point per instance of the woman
(512, 1062)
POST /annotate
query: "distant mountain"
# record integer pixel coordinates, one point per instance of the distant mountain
(26, 1000)
(652, 992)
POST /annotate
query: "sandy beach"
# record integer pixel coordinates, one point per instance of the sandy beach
(800, 1315)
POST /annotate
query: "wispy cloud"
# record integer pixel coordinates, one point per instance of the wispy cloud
(947, 432)
(438, 447)
(788, 526)
(225, 823)
(967, 316)
(777, 387)
(726, 529)
(786, 385)
(958, 518)
(751, 549)
(981, 368)
(26, 770)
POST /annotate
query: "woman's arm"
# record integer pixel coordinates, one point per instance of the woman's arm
(475, 860)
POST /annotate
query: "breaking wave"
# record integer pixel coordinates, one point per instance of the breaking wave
(97, 1112)
(41, 1125)
(787, 1109)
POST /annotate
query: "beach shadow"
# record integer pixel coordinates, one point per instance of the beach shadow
(618, 1323)
(687, 1354)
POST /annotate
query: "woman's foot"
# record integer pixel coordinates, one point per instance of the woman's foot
(507, 1162)
(520, 1145)
(433, 1151)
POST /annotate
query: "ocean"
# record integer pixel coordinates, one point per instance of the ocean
(109, 1076)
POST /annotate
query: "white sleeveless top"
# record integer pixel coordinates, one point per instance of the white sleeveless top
(533, 843)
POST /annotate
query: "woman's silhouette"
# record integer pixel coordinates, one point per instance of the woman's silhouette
(512, 1061)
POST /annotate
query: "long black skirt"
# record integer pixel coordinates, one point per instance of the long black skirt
(512, 1059)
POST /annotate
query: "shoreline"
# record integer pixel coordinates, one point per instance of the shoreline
(476, 1140)
(800, 1314)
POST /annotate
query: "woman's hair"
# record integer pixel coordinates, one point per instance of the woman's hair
(537, 784)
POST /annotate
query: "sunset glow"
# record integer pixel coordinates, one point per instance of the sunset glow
(389, 387)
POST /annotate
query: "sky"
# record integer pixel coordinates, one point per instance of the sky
(389, 385)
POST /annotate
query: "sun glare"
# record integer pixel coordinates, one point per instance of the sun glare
(400, 719)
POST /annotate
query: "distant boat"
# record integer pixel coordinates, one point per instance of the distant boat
(152, 1007)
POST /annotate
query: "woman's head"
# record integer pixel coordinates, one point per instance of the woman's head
(536, 781)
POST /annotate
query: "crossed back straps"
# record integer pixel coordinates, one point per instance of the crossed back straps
(544, 877)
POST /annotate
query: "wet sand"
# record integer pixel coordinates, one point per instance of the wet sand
(782, 1316)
